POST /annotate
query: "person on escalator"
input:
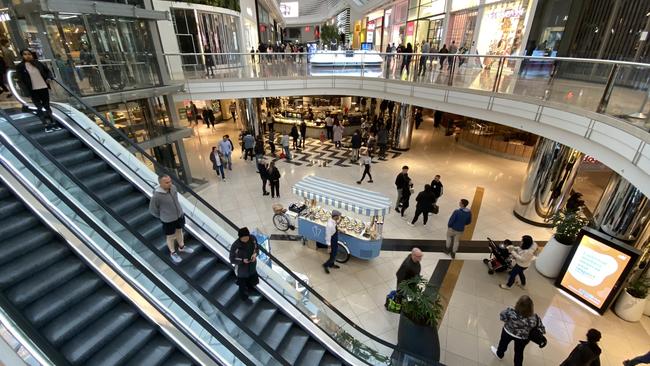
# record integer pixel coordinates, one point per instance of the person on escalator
(164, 205)
(34, 79)
(243, 256)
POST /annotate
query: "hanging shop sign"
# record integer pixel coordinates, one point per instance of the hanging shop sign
(410, 28)
(506, 13)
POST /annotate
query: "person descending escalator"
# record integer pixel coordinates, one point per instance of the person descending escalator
(34, 79)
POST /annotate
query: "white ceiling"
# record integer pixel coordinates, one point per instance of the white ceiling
(318, 11)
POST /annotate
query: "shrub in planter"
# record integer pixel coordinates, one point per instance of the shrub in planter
(631, 302)
(567, 224)
(418, 325)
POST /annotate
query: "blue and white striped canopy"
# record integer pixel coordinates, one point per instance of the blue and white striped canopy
(343, 196)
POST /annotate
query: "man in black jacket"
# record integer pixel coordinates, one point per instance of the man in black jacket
(356, 145)
(243, 256)
(436, 188)
(401, 182)
(425, 200)
(410, 268)
(586, 353)
(34, 79)
(264, 174)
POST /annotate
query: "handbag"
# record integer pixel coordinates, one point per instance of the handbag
(435, 209)
(536, 336)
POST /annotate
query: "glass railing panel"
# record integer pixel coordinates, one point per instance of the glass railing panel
(142, 253)
(630, 97)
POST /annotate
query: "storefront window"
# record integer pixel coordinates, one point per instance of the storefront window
(140, 120)
(464, 4)
(462, 26)
(502, 28)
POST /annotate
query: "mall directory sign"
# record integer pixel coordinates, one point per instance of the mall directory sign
(596, 268)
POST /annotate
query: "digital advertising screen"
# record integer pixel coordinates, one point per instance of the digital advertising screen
(596, 268)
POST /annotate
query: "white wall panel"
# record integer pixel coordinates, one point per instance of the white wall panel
(514, 107)
(468, 99)
(565, 120)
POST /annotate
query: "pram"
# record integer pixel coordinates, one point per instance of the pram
(500, 259)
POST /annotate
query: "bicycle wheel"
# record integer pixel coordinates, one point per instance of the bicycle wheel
(281, 222)
(343, 254)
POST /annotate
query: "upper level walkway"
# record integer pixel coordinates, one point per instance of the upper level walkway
(599, 107)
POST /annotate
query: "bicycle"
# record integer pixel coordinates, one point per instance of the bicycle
(284, 220)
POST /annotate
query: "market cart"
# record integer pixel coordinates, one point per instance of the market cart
(363, 238)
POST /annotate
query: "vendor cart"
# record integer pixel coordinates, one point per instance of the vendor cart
(362, 238)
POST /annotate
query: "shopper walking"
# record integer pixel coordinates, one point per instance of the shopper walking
(164, 205)
(426, 48)
(338, 134)
(217, 163)
(263, 169)
(436, 188)
(225, 147)
(269, 121)
(355, 143)
(382, 141)
(366, 161)
(453, 50)
(248, 142)
(303, 133)
(586, 353)
(332, 240)
(284, 141)
(443, 58)
(406, 61)
(424, 205)
(461, 217)
(295, 136)
(274, 179)
(405, 200)
(243, 256)
(643, 359)
(329, 127)
(524, 256)
(519, 321)
(401, 182)
(34, 79)
(194, 114)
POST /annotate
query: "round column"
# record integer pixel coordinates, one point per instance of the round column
(250, 117)
(403, 126)
(623, 211)
(549, 177)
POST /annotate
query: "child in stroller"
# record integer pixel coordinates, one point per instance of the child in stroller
(500, 259)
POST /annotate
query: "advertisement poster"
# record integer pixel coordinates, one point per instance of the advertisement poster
(595, 270)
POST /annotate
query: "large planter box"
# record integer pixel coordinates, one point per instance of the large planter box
(550, 261)
(418, 340)
(629, 308)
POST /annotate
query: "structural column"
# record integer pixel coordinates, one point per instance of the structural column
(250, 116)
(549, 177)
(623, 211)
(403, 127)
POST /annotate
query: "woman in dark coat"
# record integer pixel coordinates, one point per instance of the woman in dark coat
(406, 61)
(274, 178)
(425, 201)
(294, 134)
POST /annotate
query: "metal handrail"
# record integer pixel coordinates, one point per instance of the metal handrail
(185, 188)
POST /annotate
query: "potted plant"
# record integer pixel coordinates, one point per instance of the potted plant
(631, 301)
(567, 224)
(422, 308)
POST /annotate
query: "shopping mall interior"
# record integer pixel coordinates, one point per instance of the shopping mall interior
(365, 182)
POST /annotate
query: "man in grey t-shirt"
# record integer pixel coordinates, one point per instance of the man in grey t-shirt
(165, 206)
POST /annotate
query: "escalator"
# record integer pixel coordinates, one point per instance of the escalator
(283, 337)
(69, 311)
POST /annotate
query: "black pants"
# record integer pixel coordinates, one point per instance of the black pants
(41, 99)
(247, 284)
(264, 185)
(366, 170)
(275, 188)
(303, 137)
(425, 216)
(517, 270)
(330, 132)
(332, 259)
(520, 344)
(247, 153)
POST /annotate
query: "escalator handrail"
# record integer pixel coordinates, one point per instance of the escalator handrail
(132, 260)
(145, 242)
(185, 188)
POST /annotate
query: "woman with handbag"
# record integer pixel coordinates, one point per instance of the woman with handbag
(522, 325)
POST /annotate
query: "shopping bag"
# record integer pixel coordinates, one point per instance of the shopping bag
(282, 156)
(435, 209)
(391, 304)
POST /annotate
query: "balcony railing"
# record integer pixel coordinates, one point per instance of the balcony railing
(614, 88)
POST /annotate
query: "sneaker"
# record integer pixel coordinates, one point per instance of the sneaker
(370, 181)
(56, 127)
(49, 129)
(397, 209)
(494, 352)
(504, 286)
(335, 266)
(523, 287)
(327, 270)
(265, 194)
(175, 257)
(186, 249)
(453, 255)
(358, 182)
(412, 224)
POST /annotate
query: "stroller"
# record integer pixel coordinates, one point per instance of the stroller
(500, 259)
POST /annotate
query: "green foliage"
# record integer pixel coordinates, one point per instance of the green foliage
(359, 348)
(228, 4)
(567, 225)
(420, 301)
(329, 34)
(638, 288)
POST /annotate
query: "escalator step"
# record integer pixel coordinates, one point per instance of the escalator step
(153, 353)
(213, 277)
(49, 137)
(5, 192)
(92, 167)
(27, 291)
(62, 146)
(227, 293)
(59, 300)
(94, 182)
(198, 263)
(272, 326)
(311, 354)
(71, 322)
(150, 228)
(111, 192)
(124, 345)
(10, 207)
(177, 359)
(292, 345)
(30, 263)
(32, 124)
(138, 217)
(82, 346)
(17, 224)
(23, 243)
(242, 309)
(75, 157)
(126, 204)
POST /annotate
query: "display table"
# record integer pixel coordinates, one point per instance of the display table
(362, 239)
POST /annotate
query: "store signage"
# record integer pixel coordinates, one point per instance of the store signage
(596, 268)
(307, 29)
(289, 10)
(410, 28)
(506, 13)
(370, 26)
(590, 160)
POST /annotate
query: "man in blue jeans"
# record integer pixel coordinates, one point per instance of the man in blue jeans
(461, 217)
(332, 240)
(225, 147)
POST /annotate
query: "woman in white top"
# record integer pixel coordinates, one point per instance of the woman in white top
(34, 80)
(366, 161)
(524, 256)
